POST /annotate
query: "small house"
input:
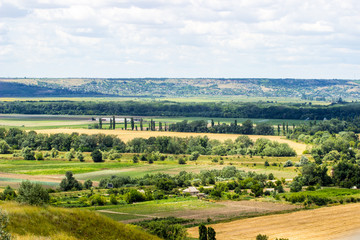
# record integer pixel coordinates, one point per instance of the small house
(192, 191)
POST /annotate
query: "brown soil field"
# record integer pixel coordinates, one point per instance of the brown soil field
(337, 222)
(222, 210)
(33, 178)
(129, 135)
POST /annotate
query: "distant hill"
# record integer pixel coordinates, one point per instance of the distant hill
(29, 222)
(308, 89)
(18, 89)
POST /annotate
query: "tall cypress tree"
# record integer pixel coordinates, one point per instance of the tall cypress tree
(132, 123)
(113, 122)
(110, 125)
(160, 126)
(202, 232)
(141, 124)
(125, 122)
(211, 233)
(100, 122)
(212, 123)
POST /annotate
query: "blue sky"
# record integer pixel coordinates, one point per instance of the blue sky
(180, 38)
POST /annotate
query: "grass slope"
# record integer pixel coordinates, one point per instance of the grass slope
(29, 222)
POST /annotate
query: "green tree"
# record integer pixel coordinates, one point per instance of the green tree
(132, 123)
(211, 233)
(96, 156)
(4, 221)
(88, 184)
(262, 237)
(27, 154)
(100, 122)
(4, 147)
(125, 123)
(141, 124)
(113, 122)
(70, 183)
(32, 193)
(202, 232)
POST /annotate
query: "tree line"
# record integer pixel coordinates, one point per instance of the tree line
(167, 108)
(201, 126)
(17, 139)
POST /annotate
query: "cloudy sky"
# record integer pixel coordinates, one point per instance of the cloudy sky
(180, 38)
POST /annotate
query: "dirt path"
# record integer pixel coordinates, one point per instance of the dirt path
(122, 213)
(129, 135)
(326, 223)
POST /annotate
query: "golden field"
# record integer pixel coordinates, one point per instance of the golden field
(127, 135)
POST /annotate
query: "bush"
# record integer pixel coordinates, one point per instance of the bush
(262, 237)
(97, 200)
(97, 156)
(182, 161)
(8, 194)
(32, 193)
(134, 196)
(27, 154)
(288, 163)
(295, 186)
(39, 156)
(70, 183)
(4, 221)
(4, 147)
(88, 184)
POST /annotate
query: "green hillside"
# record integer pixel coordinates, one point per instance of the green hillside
(29, 222)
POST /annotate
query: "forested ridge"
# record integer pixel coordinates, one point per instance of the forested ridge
(172, 109)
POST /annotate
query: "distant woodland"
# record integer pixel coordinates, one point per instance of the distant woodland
(306, 89)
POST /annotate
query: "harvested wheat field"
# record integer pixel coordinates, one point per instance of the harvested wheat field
(129, 135)
(338, 222)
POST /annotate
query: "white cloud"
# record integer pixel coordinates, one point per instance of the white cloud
(180, 38)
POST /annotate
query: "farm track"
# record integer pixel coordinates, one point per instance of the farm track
(337, 222)
(127, 135)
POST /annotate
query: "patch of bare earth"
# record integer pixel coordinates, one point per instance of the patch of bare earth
(223, 210)
(326, 223)
(127, 135)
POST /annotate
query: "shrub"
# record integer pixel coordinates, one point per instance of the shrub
(295, 186)
(266, 164)
(4, 221)
(4, 147)
(97, 200)
(8, 194)
(182, 161)
(70, 183)
(113, 199)
(27, 154)
(80, 156)
(88, 184)
(288, 163)
(262, 237)
(32, 193)
(96, 156)
(134, 196)
(39, 156)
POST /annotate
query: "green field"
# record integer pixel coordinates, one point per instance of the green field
(37, 122)
(125, 166)
(335, 194)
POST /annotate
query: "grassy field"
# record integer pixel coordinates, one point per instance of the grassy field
(327, 223)
(190, 208)
(33, 122)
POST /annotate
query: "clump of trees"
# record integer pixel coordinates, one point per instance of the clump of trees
(32, 194)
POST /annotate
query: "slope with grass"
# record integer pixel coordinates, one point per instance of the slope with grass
(29, 222)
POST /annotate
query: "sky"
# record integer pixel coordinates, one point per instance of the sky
(180, 38)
